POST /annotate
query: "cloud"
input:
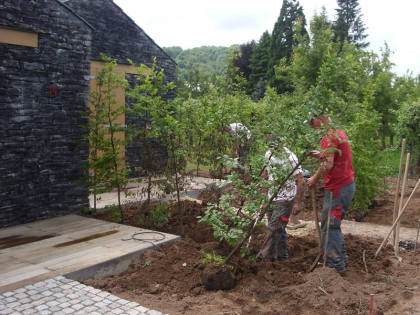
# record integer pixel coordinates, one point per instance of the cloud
(238, 21)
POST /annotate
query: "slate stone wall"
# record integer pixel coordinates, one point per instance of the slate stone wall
(42, 92)
(118, 37)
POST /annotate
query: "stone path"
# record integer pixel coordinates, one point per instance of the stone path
(136, 191)
(60, 295)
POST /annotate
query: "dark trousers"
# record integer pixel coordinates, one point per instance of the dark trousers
(275, 244)
(336, 253)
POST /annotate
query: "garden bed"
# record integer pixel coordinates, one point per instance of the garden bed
(169, 279)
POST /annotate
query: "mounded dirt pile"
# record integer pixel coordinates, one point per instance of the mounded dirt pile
(171, 279)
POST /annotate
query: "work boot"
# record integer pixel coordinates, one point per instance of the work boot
(341, 272)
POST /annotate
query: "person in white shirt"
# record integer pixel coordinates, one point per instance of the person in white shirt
(288, 199)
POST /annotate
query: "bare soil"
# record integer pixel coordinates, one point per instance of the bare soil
(171, 279)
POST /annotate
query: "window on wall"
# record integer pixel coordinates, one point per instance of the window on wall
(15, 37)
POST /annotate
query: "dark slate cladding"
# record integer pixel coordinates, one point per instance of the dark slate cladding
(40, 153)
(118, 37)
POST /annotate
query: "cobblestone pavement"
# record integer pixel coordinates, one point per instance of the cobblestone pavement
(60, 295)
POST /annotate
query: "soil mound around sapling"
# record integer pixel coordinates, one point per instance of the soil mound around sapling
(216, 277)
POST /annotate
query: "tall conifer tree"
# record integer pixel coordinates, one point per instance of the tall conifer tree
(259, 63)
(283, 38)
(349, 26)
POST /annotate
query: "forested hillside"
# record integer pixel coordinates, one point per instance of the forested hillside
(208, 60)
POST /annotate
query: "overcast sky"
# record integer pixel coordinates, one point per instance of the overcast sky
(193, 23)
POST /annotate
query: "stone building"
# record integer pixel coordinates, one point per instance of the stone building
(49, 50)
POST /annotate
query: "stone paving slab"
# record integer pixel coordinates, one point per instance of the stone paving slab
(60, 295)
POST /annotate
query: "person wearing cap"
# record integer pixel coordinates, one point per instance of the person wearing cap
(288, 199)
(242, 136)
(336, 169)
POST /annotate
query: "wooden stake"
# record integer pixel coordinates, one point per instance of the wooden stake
(397, 188)
(398, 218)
(404, 184)
(316, 216)
(312, 267)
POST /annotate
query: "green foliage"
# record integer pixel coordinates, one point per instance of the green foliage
(165, 119)
(198, 83)
(157, 217)
(345, 82)
(311, 53)
(231, 232)
(389, 161)
(284, 39)
(173, 52)
(209, 60)
(214, 259)
(384, 100)
(160, 214)
(408, 127)
(206, 118)
(114, 211)
(258, 66)
(232, 219)
(148, 106)
(198, 68)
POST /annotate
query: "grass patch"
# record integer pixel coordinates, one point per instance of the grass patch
(192, 167)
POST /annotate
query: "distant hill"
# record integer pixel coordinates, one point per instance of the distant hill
(210, 60)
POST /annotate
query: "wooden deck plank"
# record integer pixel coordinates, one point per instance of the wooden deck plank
(25, 272)
(15, 230)
(9, 263)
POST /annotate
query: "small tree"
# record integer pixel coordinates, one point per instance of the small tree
(164, 126)
(148, 106)
(234, 217)
(107, 149)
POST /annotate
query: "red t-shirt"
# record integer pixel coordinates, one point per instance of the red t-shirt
(342, 172)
